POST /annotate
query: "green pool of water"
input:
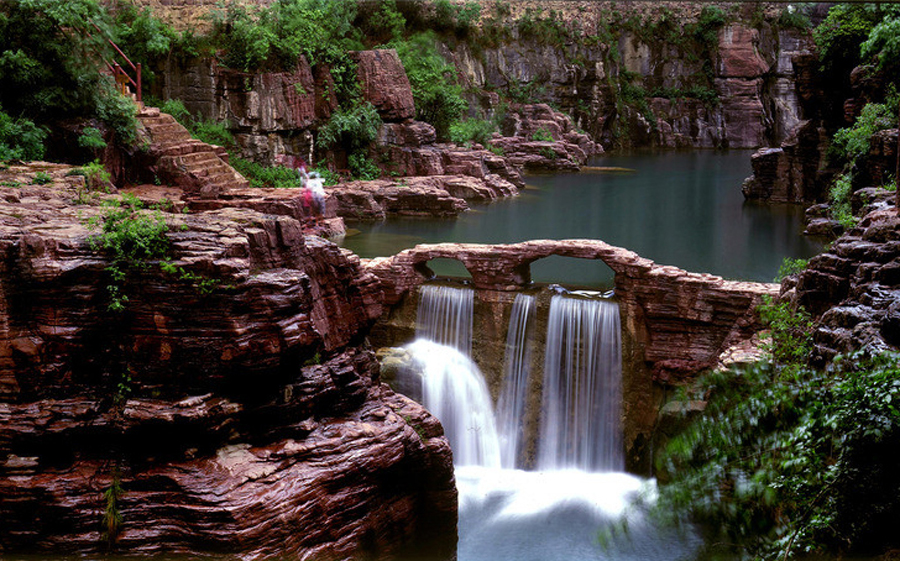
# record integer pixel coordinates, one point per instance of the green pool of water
(681, 208)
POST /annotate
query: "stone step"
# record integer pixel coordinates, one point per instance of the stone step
(164, 129)
(192, 157)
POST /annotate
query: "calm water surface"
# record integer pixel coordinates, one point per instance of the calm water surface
(684, 209)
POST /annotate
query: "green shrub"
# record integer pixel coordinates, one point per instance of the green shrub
(353, 130)
(839, 197)
(794, 17)
(839, 36)
(883, 43)
(386, 23)
(457, 18)
(91, 138)
(790, 267)
(542, 135)
(549, 30)
(711, 20)
(41, 178)
(790, 332)
(130, 236)
(212, 132)
(472, 130)
(176, 108)
(438, 96)
(266, 176)
(209, 131)
(328, 177)
(20, 139)
(96, 177)
(852, 142)
(362, 167)
(117, 111)
(784, 467)
(277, 36)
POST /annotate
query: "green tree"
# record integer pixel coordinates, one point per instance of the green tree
(49, 64)
(436, 91)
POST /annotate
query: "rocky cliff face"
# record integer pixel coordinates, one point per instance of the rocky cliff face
(187, 423)
(753, 80)
(853, 289)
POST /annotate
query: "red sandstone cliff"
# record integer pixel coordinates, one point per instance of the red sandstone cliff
(196, 405)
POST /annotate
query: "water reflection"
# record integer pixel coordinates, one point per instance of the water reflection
(683, 209)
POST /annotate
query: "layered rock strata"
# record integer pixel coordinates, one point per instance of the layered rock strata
(852, 290)
(675, 323)
(186, 424)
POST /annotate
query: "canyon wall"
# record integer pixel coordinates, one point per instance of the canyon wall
(624, 88)
(229, 409)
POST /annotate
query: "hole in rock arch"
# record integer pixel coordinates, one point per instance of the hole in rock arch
(446, 267)
(573, 272)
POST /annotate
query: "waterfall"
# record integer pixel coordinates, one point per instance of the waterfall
(454, 391)
(582, 395)
(445, 316)
(513, 394)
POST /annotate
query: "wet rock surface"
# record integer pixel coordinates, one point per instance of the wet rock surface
(195, 403)
(853, 289)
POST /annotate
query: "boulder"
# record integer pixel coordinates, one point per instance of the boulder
(385, 84)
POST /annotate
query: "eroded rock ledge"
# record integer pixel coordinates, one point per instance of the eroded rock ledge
(197, 403)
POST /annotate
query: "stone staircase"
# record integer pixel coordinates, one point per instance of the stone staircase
(200, 169)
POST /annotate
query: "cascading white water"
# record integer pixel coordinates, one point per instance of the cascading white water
(582, 394)
(445, 316)
(454, 391)
(453, 388)
(556, 514)
(513, 394)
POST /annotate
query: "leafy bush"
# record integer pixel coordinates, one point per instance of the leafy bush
(266, 176)
(839, 197)
(794, 17)
(362, 167)
(176, 108)
(41, 178)
(277, 36)
(549, 30)
(542, 135)
(789, 340)
(786, 466)
(438, 96)
(386, 23)
(130, 236)
(472, 130)
(91, 138)
(117, 111)
(839, 36)
(790, 267)
(95, 175)
(852, 142)
(353, 129)
(883, 43)
(458, 18)
(209, 131)
(48, 64)
(711, 19)
(212, 132)
(20, 139)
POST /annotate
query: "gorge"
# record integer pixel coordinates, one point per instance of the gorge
(529, 273)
